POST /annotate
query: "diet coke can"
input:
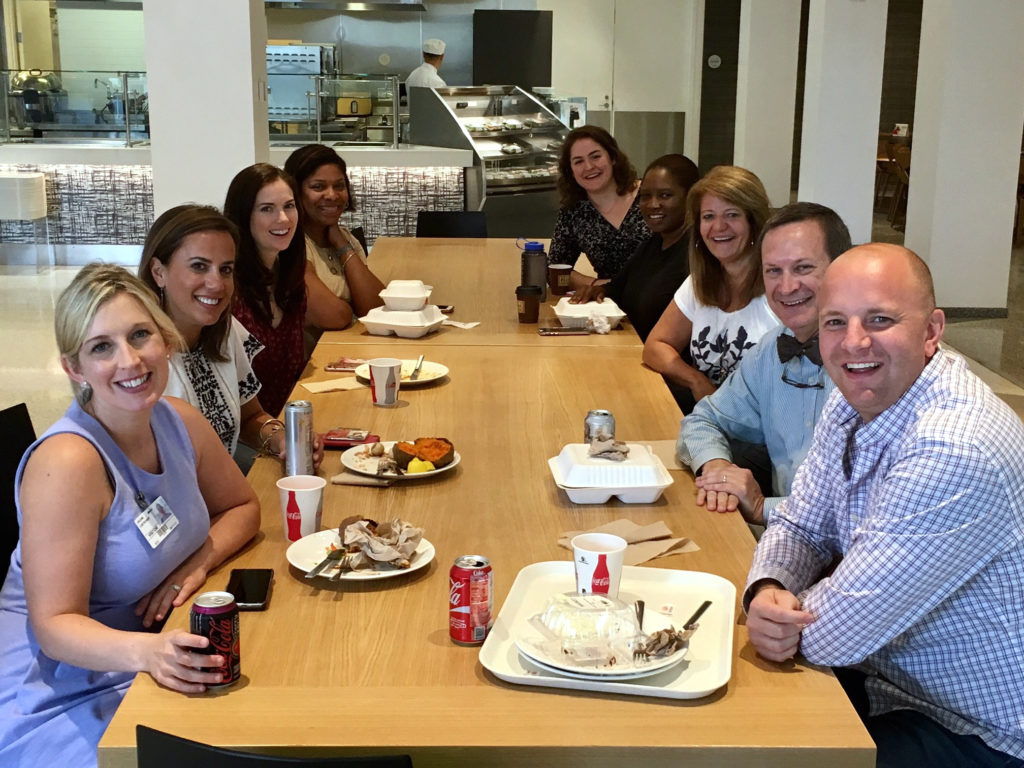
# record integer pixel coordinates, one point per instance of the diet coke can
(298, 438)
(215, 616)
(600, 425)
(470, 599)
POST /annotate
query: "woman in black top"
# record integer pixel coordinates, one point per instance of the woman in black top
(599, 215)
(659, 266)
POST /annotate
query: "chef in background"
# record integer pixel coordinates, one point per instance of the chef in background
(425, 75)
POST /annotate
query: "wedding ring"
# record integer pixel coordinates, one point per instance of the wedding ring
(176, 587)
(723, 478)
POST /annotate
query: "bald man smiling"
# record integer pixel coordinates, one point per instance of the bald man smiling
(915, 479)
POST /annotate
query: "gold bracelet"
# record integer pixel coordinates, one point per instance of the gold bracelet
(273, 422)
(351, 253)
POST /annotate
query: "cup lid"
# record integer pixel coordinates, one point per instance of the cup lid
(529, 290)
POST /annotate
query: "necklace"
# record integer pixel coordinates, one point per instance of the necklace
(333, 258)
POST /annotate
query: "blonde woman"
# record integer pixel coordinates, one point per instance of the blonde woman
(720, 311)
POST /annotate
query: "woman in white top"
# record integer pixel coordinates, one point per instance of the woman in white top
(720, 310)
(189, 261)
(338, 281)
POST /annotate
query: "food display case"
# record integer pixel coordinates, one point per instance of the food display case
(515, 139)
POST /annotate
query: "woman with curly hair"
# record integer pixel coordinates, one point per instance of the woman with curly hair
(599, 214)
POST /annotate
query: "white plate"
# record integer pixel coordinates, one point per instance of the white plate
(355, 458)
(310, 550)
(635, 675)
(582, 672)
(706, 667)
(428, 372)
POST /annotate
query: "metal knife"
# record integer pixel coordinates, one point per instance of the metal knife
(334, 554)
(416, 371)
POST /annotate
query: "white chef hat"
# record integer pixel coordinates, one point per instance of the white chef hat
(434, 46)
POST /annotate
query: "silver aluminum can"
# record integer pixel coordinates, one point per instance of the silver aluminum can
(598, 424)
(298, 438)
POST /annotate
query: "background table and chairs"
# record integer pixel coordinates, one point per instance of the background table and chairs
(368, 668)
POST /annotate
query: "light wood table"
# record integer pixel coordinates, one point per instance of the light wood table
(369, 668)
(479, 277)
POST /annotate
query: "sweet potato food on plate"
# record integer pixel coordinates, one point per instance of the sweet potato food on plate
(439, 451)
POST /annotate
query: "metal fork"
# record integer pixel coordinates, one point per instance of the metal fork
(639, 654)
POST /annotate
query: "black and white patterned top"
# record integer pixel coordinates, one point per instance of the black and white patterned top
(218, 389)
(582, 229)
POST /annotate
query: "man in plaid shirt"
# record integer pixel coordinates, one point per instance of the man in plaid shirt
(916, 479)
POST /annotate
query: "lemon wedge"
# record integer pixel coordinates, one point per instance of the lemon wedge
(418, 466)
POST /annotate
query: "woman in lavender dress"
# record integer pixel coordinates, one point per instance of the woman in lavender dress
(125, 505)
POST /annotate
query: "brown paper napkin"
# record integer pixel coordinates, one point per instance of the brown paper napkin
(351, 478)
(646, 542)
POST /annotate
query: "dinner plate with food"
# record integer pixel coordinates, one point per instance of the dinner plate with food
(410, 460)
(429, 372)
(362, 550)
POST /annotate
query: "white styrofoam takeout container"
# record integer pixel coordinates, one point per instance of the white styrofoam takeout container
(579, 470)
(642, 494)
(408, 324)
(576, 315)
(406, 295)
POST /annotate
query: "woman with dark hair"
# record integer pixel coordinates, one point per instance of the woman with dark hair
(338, 282)
(269, 276)
(720, 310)
(599, 215)
(647, 283)
(189, 261)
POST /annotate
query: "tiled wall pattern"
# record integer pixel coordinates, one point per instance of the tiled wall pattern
(387, 199)
(113, 204)
(90, 205)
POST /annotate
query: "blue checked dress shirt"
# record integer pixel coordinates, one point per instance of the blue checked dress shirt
(929, 596)
(755, 404)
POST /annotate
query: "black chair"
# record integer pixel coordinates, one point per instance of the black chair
(360, 236)
(18, 435)
(157, 749)
(451, 224)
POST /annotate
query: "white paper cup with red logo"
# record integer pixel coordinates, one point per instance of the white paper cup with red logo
(385, 380)
(597, 558)
(302, 503)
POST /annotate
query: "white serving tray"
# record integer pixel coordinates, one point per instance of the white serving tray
(576, 315)
(708, 664)
(641, 469)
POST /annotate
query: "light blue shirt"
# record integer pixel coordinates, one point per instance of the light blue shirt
(755, 405)
(929, 520)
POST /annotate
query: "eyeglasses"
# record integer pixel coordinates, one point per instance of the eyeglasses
(802, 384)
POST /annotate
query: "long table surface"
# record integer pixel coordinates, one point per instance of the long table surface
(479, 278)
(369, 668)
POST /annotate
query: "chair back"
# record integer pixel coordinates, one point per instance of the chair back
(18, 435)
(902, 164)
(451, 224)
(157, 749)
(360, 237)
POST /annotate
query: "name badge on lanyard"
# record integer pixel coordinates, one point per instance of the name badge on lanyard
(156, 522)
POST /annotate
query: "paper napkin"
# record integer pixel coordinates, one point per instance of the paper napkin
(645, 542)
(457, 324)
(332, 385)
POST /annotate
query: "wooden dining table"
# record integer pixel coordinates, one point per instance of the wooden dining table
(360, 668)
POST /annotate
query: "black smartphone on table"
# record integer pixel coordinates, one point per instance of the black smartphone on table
(251, 587)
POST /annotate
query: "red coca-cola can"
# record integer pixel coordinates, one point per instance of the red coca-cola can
(214, 615)
(470, 599)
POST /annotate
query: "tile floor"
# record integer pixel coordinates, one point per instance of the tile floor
(30, 371)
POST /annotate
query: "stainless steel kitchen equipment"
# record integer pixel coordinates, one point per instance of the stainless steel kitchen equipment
(515, 140)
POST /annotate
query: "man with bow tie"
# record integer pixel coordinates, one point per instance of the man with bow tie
(776, 394)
